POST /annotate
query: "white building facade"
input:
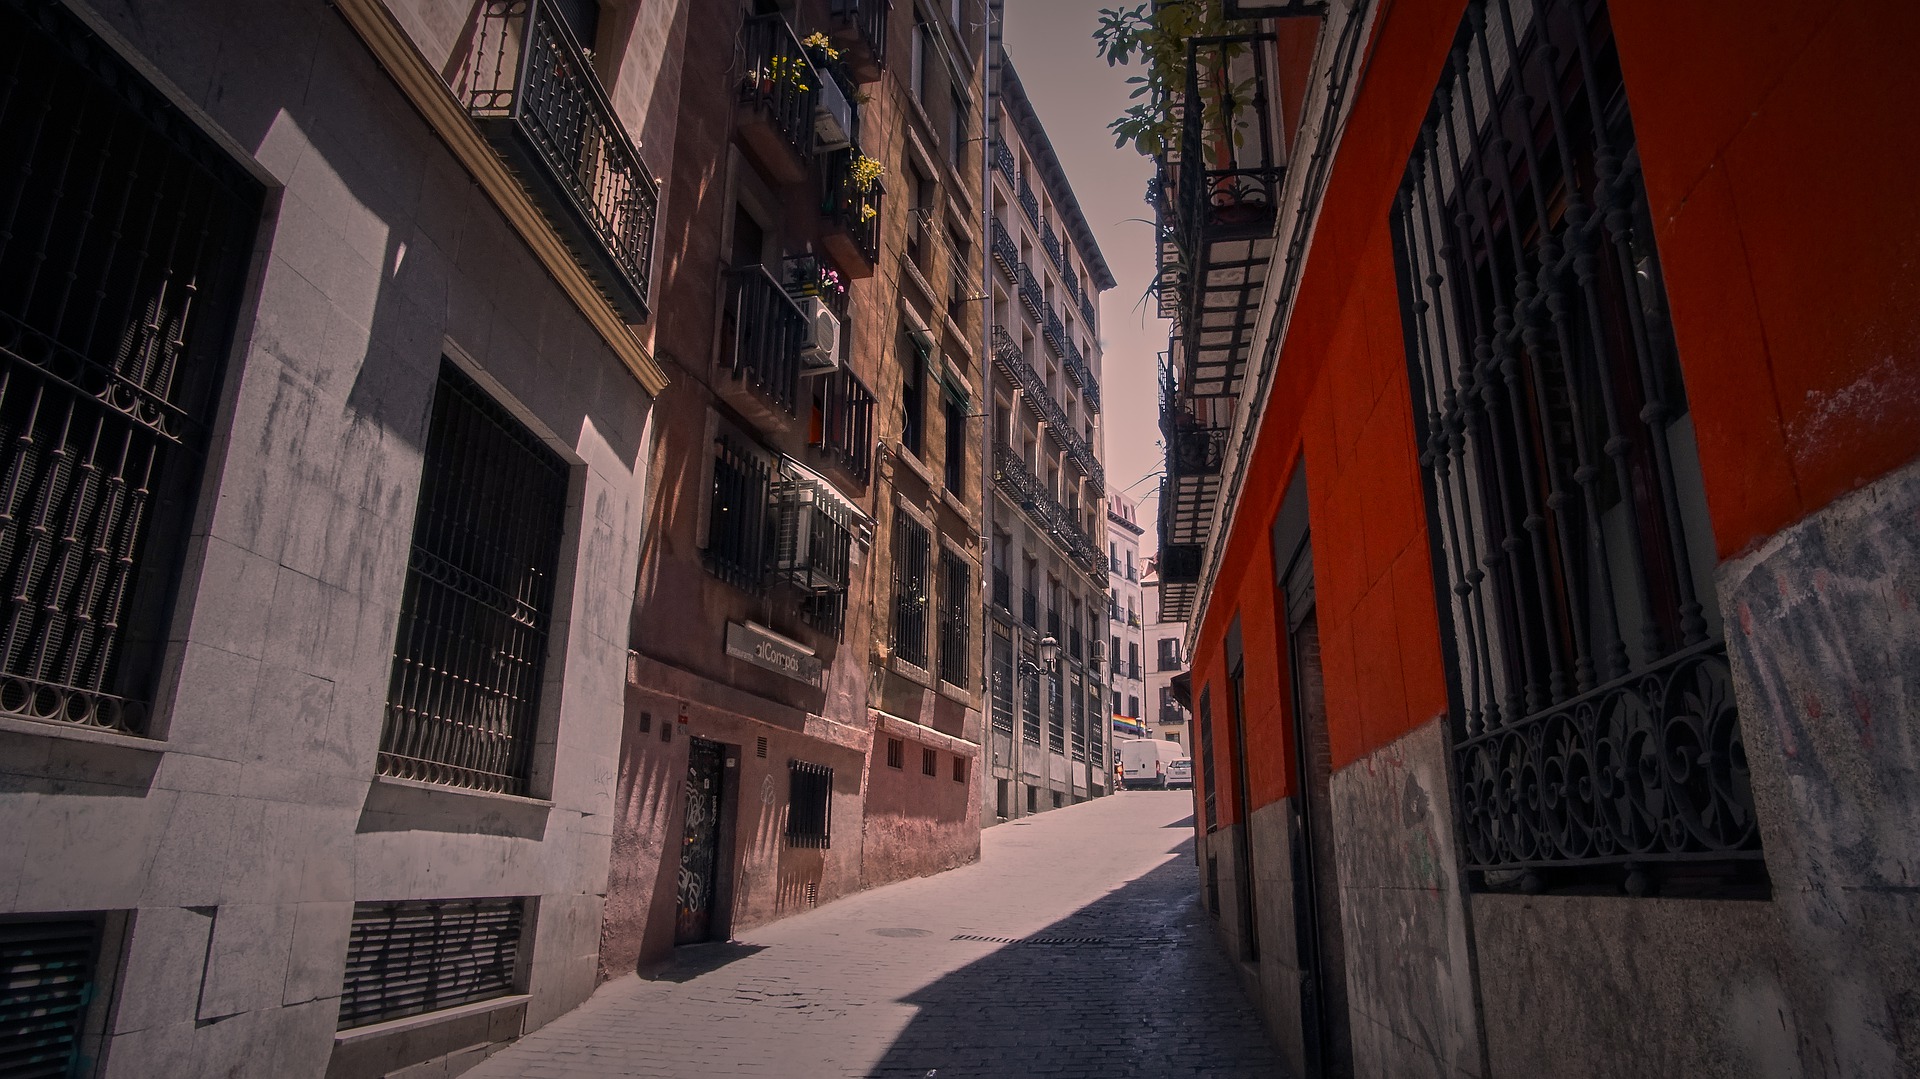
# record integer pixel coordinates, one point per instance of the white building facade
(1164, 658)
(1126, 637)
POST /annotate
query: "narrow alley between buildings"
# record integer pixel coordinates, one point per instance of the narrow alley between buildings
(1074, 947)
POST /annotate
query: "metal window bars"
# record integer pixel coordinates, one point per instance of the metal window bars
(768, 332)
(124, 236)
(1077, 744)
(737, 518)
(813, 546)
(1596, 739)
(810, 805)
(844, 407)
(1003, 675)
(956, 593)
(48, 977)
(533, 93)
(912, 589)
(470, 651)
(1056, 711)
(848, 209)
(1030, 698)
(419, 956)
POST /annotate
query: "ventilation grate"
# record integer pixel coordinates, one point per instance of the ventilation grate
(46, 979)
(760, 748)
(410, 958)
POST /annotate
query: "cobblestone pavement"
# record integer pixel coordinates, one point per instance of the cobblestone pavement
(1112, 971)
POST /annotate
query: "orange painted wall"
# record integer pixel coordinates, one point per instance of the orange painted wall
(1779, 148)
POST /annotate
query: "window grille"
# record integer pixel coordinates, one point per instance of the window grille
(1596, 739)
(737, 517)
(1056, 712)
(809, 805)
(1078, 732)
(768, 331)
(46, 982)
(1169, 653)
(911, 588)
(929, 762)
(896, 753)
(959, 769)
(1096, 725)
(843, 412)
(1030, 704)
(1002, 681)
(414, 957)
(1208, 789)
(472, 642)
(125, 235)
(956, 586)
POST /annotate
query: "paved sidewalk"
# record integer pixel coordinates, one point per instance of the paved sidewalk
(1114, 972)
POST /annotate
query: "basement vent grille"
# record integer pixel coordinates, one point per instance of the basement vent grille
(410, 958)
(46, 980)
(760, 747)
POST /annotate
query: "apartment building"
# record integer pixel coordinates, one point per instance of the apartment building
(1545, 524)
(1166, 659)
(1047, 745)
(1126, 616)
(804, 689)
(328, 336)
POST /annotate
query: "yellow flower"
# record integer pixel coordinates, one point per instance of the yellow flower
(818, 40)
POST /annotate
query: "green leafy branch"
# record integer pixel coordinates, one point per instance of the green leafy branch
(1158, 36)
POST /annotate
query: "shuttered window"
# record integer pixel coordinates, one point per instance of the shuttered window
(418, 956)
(810, 803)
(46, 982)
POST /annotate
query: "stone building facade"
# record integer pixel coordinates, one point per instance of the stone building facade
(803, 702)
(328, 399)
(1047, 744)
(1126, 618)
(1542, 490)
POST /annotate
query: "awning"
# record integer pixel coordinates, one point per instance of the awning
(792, 470)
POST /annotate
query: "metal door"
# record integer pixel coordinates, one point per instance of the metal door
(700, 841)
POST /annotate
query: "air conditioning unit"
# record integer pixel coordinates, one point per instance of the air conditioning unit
(832, 115)
(822, 351)
(793, 553)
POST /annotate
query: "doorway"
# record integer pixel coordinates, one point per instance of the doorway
(1318, 937)
(700, 842)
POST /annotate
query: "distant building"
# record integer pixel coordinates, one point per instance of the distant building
(1048, 739)
(1126, 637)
(1165, 660)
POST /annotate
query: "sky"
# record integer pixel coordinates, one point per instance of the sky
(1077, 95)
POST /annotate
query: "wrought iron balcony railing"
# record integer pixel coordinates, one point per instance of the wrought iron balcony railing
(768, 333)
(851, 212)
(860, 31)
(1087, 309)
(1051, 242)
(1004, 251)
(1006, 351)
(780, 84)
(533, 94)
(1020, 484)
(1082, 376)
(1029, 202)
(1030, 289)
(1003, 160)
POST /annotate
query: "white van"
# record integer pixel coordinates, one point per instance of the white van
(1144, 762)
(1180, 774)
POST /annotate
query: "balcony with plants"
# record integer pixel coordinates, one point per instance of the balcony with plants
(860, 33)
(850, 200)
(531, 90)
(779, 93)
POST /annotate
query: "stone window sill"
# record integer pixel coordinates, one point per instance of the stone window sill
(75, 732)
(428, 1019)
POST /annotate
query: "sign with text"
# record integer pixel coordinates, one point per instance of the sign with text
(764, 648)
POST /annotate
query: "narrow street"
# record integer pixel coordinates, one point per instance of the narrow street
(1075, 947)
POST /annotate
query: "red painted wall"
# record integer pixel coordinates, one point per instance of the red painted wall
(1778, 141)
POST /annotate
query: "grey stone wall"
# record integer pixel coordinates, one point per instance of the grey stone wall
(1409, 973)
(240, 838)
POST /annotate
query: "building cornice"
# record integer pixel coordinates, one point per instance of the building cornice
(1034, 134)
(396, 53)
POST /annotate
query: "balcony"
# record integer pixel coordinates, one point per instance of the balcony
(1082, 376)
(768, 331)
(1003, 160)
(1051, 243)
(1026, 491)
(850, 214)
(534, 96)
(1004, 251)
(1030, 290)
(860, 33)
(1007, 353)
(1029, 202)
(1195, 430)
(1226, 187)
(778, 95)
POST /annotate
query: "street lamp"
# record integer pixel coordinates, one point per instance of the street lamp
(1049, 655)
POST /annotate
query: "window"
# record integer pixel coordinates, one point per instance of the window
(1002, 680)
(419, 956)
(111, 370)
(959, 769)
(1116, 702)
(809, 805)
(956, 595)
(1056, 712)
(736, 549)
(842, 424)
(478, 600)
(1169, 708)
(812, 546)
(955, 461)
(1077, 732)
(896, 753)
(1169, 653)
(1029, 603)
(1569, 486)
(1030, 704)
(1133, 659)
(1075, 641)
(1115, 651)
(917, 70)
(48, 968)
(1208, 794)
(1133, 706)
(911, 589)
(1096, 724)
(957, 128)
(913, 396)
(1171, 736)
(1131, 574)
(929, 762)
(1002, 582)
(1053, 607)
